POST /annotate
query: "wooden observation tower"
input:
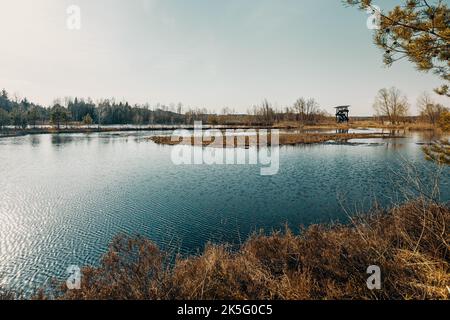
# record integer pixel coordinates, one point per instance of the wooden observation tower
(342, 114)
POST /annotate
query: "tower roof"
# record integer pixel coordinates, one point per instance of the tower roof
(342, 107)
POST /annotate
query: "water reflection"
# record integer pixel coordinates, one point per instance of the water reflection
(428, 136)
(61, 139)
(35, 140)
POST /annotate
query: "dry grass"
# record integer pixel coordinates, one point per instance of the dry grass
(284, 139)
(410, 244)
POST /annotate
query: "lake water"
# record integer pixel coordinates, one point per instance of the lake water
(64, 197)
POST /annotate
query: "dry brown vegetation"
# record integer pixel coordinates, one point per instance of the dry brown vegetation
(410, 244)
(444, 121)
(284, 139)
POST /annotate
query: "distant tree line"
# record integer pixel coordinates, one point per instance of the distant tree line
(390, 106)
(20, 113)
(303, 111)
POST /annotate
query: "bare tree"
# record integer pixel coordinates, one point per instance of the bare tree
(307, 110)
(429, 110)
(268, 113)
(391, 104)
(300, 109)
(312, 109)
(264, 113)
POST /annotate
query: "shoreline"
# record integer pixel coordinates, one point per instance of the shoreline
(357, 125)
(10, 133)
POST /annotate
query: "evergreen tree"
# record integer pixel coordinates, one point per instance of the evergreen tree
(87, 120)
(418, 30)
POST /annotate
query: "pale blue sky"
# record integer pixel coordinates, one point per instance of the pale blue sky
(203, 53)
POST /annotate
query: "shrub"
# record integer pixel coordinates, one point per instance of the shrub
(444, 121)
